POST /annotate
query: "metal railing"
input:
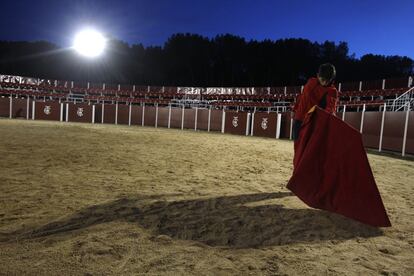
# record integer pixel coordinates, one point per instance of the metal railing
(400, 103)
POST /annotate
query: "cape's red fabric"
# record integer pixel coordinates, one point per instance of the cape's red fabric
(331, 170)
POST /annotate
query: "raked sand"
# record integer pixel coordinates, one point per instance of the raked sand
(81, 199)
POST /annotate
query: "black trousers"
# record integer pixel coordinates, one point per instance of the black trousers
(295, 129)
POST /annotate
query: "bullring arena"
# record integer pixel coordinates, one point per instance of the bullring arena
(177, 181)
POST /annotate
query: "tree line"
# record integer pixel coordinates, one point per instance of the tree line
(194, 60)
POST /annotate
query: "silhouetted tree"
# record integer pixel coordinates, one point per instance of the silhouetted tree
(194, 60)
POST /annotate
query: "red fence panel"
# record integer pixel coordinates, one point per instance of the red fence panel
(393, 131)
(409, 146)
(202, 119)
(47, 111)
(98, 113)
(285, 125)
(163, 116)
(136, 115)
(123, 114)
(353, 119)
(176, 117)
(189, 118)
(264, 124)
(21, 108)
(4, 107)
(149, 116)
(216, 118)
(372, 129)
(236, 122)
(109, 113)
(79, 112)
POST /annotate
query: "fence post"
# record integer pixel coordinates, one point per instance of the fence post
(28, 108)
(223, 120)
(343, 113)
(169, 115)
(156, 115)
(10, 106)
(103, 112)
(360, 86)
(93, 114)
(209, 119)
(116, 113)
(67, 113)
(33, 109)
(251, 132)
(383, 84)
(248, 124)
(129, 114)
(362, 119)
(143, 114)
(182, 117)
(407, 115)
(196, 118)
(291, 128)
(339, 87)
(278, 125)
(382, 127)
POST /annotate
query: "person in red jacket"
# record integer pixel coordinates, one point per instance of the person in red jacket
(318, 91)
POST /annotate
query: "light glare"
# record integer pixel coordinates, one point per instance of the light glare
(89, 43)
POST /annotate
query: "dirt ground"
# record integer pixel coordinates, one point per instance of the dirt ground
(81, 199)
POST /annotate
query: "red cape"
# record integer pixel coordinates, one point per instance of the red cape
(331, 170)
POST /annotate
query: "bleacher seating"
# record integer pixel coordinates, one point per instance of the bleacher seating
(260, 97)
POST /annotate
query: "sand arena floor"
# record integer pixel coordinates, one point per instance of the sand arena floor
(81, 199)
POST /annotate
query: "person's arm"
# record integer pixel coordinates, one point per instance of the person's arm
(302, 105)
(331, 101)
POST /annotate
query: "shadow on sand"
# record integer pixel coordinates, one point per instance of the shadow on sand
(221, 221)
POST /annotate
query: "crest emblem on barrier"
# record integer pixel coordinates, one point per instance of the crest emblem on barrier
(235, 121)
(47, 110)
(79, 112)
(264, 123)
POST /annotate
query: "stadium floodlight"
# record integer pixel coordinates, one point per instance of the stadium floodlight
(89, 43)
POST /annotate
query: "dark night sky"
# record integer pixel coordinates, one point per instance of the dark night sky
(369, 26)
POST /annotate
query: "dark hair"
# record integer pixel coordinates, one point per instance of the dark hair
(327, 72)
